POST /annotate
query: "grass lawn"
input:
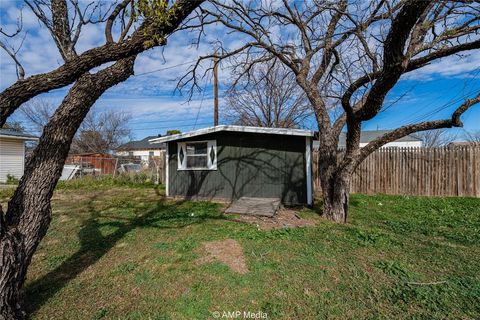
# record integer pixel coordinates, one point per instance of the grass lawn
(123, 252)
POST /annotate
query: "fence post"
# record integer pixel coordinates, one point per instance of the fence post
(157, 168)
(116, 166)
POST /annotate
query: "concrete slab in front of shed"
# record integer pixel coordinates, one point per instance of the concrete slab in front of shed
(255, 206)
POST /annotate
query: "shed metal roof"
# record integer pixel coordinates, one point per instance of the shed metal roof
(232, 128)
(15, 134)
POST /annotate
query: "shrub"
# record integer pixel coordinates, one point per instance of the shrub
(135, 180)
(11, 179)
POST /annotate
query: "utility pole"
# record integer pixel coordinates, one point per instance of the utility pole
(215, 90)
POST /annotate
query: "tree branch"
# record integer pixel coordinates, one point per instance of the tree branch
(396, 134)
(13, 55)
(395, 62)
(61, 29)
(412, 65)
(112, 17)
(328, 43)
(129, 24)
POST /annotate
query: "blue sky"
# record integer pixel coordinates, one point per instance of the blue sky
(430, 93)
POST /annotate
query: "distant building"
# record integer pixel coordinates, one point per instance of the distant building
(141, 148)
(12, 153)
(463, 144)
(368, 136)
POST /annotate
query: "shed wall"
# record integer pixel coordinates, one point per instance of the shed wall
(12, 154)
(248, 164)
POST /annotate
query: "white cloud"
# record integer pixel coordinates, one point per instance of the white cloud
(155, 108)
(156, 115)
(449, 67)
(92, 35)
(15, 10)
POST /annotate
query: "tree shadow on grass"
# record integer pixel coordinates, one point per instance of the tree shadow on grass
(94, 245)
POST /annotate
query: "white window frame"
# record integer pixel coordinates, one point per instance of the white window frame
(210, 165)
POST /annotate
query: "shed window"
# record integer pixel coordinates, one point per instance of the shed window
(197, 155)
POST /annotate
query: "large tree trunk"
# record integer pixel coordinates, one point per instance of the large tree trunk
(336, 193)
(12, 253)
(29, 212)
(334, 180)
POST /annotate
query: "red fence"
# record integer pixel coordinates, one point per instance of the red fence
(99, 164)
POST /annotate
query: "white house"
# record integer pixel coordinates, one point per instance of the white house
(12, 153)
(368, 136)
(141, 148)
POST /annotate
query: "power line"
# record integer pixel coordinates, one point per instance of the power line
(182, 120)
(399, 98)
(164, 68)
(416, 118)
(142, 122)
(171, 127)
(444, 106)
(162, 121)
(200, 107)
(29, 130)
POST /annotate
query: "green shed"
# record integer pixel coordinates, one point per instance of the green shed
(229, 162)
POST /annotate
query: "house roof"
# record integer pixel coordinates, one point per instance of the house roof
(464, 144)
(143, 144)
(15, 134)
(368, 136)
(231, 128)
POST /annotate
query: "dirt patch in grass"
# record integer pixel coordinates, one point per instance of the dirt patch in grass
(284, 218)
(228, 251)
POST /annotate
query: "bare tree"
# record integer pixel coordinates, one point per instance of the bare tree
(102, 132)
(347, 55)
(37, 113)
(14, 125)
(269, 98)
(472, 136)
(11, 50)
(28, 216)
(435, 138)
(99, 132)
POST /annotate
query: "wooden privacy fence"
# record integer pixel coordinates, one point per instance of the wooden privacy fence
(417, 171)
